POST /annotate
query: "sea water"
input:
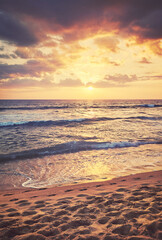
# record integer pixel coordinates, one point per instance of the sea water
(54, 142)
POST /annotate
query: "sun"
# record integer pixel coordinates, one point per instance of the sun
(90, 88)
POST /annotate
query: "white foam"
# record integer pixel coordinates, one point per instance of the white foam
(117, 145)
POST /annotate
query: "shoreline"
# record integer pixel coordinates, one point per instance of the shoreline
(127, 207)
(75, 185)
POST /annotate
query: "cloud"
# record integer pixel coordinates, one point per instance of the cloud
(75, 18)
(25, 83)
(151, 77)
(110, 43)
(144, 60)
(155, 46)
(70, 83)
(31, 68)
(15, 31)
(27, 53)
(47, 33)
(108, 61)
(149, 27)
(44, 83)
(6, 56)
(118, 80)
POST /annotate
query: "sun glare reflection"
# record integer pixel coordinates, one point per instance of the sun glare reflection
(90, 88)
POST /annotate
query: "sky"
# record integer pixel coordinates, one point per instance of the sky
(80, 49)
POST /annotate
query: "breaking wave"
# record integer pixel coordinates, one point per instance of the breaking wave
(65, 122)
(74, 106)
(71, 147)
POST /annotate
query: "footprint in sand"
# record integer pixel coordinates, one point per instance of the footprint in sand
(39, 202)
(117, 195)
(103, 220)
(112, 183)
(82, 195)
(14, 199)
(22, 201)
(137, 178)
(24, 204)
(99, 185)
(122, 190)
(118, 221)
(7, 194)
(30, 222)
(7, 223)
(122, 230)
(3, 205)
(37, 217)
(61, 213)
(83, 189)
(12, 232)
(41, 205)
(49, 232)
(75, 224)
(28, 213)
(14, 214)
(47, 219)
(69, 190)
(63, 201)
(11, 210)
(27, 191)
(33, 196)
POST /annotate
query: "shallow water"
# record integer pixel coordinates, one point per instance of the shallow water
(60, 142)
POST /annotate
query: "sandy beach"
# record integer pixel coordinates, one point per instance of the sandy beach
(121, 208)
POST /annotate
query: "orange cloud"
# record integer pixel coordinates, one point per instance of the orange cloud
(145, 60)
(110, 43)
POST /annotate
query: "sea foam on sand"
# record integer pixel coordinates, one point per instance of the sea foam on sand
(122, 208)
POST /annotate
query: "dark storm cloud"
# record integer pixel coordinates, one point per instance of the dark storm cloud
(15, 31)
(142, 18)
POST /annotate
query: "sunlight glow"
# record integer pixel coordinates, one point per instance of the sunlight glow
(90, 88)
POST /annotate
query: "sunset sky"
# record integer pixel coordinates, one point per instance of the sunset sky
(80, 49)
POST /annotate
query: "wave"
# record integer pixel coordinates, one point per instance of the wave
(33, 108)
(53, 123)
(71, 121)
(71, 147)
(81, 106)
(145, 118)
(141, 106)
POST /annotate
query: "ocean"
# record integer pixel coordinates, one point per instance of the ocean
(57, 142)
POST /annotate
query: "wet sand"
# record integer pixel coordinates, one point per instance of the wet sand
(122, 208)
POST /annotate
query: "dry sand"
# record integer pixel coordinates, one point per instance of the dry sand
(122, 208)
